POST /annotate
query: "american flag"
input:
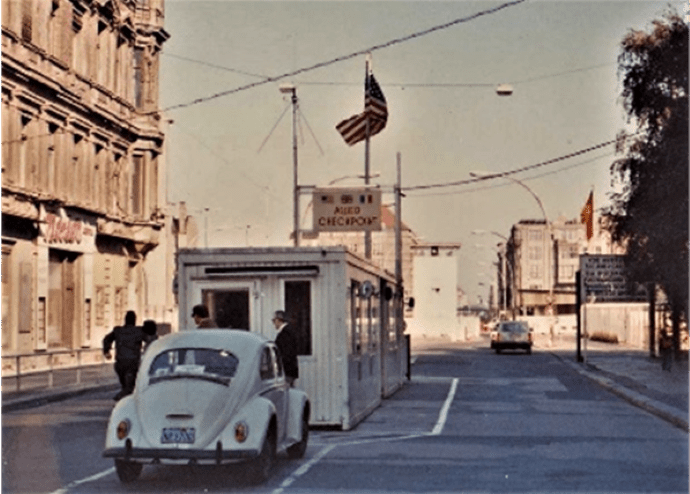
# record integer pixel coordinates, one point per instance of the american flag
(354, 129)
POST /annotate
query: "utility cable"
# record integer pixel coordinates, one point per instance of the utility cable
(506, 184)
(517, 170)
(344, 57)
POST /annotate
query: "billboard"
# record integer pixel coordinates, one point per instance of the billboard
(604, 279)
(347, 209)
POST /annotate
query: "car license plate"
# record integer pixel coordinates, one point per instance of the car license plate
(178, 435)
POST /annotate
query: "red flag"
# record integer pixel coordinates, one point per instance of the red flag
(587, 215)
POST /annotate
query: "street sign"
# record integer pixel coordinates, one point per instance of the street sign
(604, 279)
(347, 209)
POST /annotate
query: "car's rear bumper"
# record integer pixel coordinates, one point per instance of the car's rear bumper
(158, 454)
(507, 345)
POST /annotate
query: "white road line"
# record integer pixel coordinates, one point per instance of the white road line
(71, 485)
(303, 469)
(443, 414)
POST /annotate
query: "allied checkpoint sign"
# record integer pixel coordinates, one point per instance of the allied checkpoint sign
(604, 278)
(347, 209)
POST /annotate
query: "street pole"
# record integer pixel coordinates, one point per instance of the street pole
(367, 234)
(400, 294)
(295, 213)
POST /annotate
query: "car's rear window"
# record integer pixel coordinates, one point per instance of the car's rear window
(194, 363)
(513, 327)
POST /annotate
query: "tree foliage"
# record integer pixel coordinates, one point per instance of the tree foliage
(649, 213)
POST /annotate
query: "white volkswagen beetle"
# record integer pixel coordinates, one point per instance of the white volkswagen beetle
(208, 396)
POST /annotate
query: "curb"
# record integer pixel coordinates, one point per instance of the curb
(661, 410)
(45, 397)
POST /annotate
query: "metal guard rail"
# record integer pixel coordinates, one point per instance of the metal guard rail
(51, 368)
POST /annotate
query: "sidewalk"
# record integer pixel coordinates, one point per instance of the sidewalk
(629, 373)
(35, 391)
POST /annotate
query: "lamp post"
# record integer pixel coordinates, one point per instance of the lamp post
(550, 278)
(501, 251)
(291, 89)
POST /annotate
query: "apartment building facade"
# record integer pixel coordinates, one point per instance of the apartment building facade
(541, 261)
(83, 197)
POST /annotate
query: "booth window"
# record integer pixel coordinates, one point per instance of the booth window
(355, 312)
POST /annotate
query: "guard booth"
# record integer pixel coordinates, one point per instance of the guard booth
(352, 356)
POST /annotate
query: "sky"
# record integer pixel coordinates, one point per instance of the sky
(233, 153)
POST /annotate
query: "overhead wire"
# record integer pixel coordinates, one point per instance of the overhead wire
(343, 57)
(224, 160)
(506, 184)
(516, 170)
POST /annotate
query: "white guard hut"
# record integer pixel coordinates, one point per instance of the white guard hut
(344, 307)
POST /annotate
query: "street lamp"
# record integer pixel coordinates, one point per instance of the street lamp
(482, 232)
(483, 174)
(291, 89)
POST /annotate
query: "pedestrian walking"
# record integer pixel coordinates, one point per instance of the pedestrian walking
(201, 317)
(287, 342)
(665, 350)
(128, 341)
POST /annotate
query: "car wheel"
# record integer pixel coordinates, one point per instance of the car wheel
(261, 467)
(127, 471)
(297, 450)
(498, 350)
(529, 350)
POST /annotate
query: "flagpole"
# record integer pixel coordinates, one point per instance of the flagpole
(367, 234)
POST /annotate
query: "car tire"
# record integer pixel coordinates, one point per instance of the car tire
(261, 467)
(127, 471)
(498, 350)
(529, 350)
(298, 450)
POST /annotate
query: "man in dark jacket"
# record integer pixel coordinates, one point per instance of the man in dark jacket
(287, 342)
(128, 341)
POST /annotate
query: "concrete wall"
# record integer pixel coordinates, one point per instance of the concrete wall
(628, 321)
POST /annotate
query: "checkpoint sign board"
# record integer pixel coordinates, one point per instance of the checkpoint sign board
(604, 277)
(347, 209)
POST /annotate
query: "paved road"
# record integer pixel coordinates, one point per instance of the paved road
(469, 421)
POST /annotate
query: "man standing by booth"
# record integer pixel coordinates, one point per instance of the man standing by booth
(287, 342)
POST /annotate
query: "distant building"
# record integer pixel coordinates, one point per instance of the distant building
(435, 290)
(534, 262)
(83, 190)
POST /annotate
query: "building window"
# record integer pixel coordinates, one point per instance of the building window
(535, 235)
(534, 253)
(534, 271)
(6, 274)
(139, 78)
(138, 186)
(566, 273)
(27, 6)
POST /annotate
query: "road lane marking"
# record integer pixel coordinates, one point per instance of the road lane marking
(443, 415)
(303, 469)
(71, 485)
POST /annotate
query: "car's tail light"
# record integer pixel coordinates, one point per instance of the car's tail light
(123, 429)
(241, 432)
